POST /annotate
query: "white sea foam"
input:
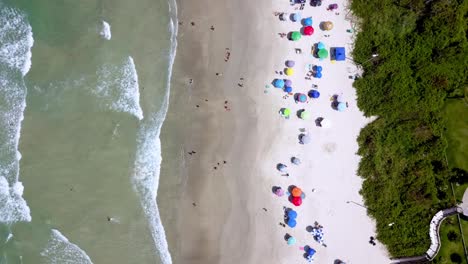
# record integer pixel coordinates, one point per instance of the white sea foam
(16, 40)
(148, 156)
(118, 89)
(15, 60)
(105, 31)
(61, 251)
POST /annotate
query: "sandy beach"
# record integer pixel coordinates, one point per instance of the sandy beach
(230, 137)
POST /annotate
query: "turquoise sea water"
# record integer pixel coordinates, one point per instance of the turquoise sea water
(84, 88)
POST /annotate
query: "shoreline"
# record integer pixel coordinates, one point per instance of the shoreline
(228, 214)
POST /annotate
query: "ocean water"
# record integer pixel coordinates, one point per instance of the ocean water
(84, 89)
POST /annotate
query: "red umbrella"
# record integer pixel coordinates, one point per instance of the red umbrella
(296, 201)
(308, 30)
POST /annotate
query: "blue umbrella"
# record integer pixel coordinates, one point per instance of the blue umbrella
(341, 106)
(314, 93)
(291, 222)
(307, 21)
(278, 83)
(292, 214)
(311, 251)
(296, 17)
(288, 89)
(287, 83)
(318, 75)
(318, 68)
(320, 45)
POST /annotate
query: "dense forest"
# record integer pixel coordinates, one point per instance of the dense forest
(414, 57)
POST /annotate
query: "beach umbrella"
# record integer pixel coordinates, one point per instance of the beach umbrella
(328, 25)
(295, 160)
(305, 139)
(307, 21)
(297, 201)
(322, 53)
(295, 35)
(296, 17)
(318, 75)
(291, 222)
(286, 112)
(292, 214)
(318, 68)
(288, 89)
(302, 195)
(340, 98)
(305, 115)
(279, 192)
(341, 106)
(310, 251)
(320, 45)
(289, 71)
(278, 83)
(287, 82)
(308, 31)
(314, 93)
(290, 63)
(325, 123)
(301, 97)
(281, 167)
(291, 241)
(296, 192)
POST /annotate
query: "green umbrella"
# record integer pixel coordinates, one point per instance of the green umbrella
(305, 115)
(286, 112)
(322, 53)
(295, 35)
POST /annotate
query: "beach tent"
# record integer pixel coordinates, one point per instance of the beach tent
(320, 45)
(314, 94)
(297, 201)
(318, 75)
(291, 241)
(340, 54)
(308, 31)
(290, 63)
(295, 35)
(296, 17)
(327, 25)
(341, 106)
(292, 214)
(307, 21)
(304, 139)
(295, 160)
(287, 83)
(322, 53)
(278, 83)
(325, 123)
(289, 72)
(296, 192)
(291, 223)
(300, 97)
(305, 115)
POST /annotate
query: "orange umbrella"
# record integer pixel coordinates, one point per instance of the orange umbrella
(296, 192)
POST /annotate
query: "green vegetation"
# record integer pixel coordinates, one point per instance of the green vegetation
(450, 238)
(457, 132)
(421, 63)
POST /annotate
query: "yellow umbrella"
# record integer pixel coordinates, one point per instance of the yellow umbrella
(289, 71)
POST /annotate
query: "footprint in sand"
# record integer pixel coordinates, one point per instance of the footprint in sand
(329, 147)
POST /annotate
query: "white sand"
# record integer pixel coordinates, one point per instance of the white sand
(329, 162)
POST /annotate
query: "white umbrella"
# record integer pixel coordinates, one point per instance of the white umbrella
(325, 123)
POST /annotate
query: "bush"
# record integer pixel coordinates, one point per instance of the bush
(452, 236)
(455, 258)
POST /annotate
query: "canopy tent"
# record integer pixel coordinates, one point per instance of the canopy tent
(296, 17)
(291, 241)
(305, 115)
(287, 82)
(295, 35)
(327, 25)
(307, 21)
(278, 83)
(296, 192)
(297, 201)
(322, 53)
(340, 53)
(292, 214)
(314, 94)
(289, 71)
(300, 97)
(290, 63)
(295, 161)
(341, 106)
(291, 223)
(288, 89)
(304, 139)
(308, 31)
